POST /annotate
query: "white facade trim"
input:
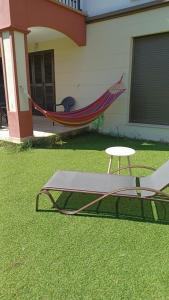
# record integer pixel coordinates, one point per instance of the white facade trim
(9, 70)
(21, 70)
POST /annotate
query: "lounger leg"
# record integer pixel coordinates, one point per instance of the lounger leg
(117, 207)
(45, 193)
(154, 210)
(98, 206)
(142, 209)
(37, 202)
(67, 199)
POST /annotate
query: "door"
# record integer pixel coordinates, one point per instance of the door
(2, 91)
(42, 79)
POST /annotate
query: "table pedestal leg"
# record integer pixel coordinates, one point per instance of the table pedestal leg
(129, 165)
(119, 164)
(109, 166)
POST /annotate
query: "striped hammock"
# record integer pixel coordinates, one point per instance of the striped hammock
(87, 114)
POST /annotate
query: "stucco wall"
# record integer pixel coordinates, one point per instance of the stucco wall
(86, 72)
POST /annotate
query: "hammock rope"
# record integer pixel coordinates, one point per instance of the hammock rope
(86, 114)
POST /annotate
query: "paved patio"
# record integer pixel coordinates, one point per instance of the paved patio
(42, 127)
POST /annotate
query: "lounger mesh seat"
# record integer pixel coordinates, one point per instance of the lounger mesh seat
(89, 183)
(105, 185)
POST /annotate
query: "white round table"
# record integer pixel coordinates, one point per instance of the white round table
(119, 152)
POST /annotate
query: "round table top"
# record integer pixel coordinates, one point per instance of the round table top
(120, 151)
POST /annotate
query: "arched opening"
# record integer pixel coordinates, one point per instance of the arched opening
(41, 51)
(44, 51)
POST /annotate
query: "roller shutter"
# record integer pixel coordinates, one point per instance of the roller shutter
(150, 80)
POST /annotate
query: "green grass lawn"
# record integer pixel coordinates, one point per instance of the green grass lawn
(52, 256)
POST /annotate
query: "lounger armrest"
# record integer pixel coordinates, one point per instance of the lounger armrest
(134, 167)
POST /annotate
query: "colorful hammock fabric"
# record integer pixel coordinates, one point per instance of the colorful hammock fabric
(87, 114)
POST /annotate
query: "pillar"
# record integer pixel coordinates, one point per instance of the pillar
(17, 86)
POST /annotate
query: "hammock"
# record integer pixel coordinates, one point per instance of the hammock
(87, 114)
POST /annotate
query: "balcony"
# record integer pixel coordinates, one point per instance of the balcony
(75, 4)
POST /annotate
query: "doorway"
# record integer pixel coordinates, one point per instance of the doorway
(42, 78)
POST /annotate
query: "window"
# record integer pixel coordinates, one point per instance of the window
(150, 80)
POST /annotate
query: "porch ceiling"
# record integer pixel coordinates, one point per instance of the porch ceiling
(41, 34)
(23, 14)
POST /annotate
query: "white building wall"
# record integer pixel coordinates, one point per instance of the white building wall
(86, 72)
(96, 7)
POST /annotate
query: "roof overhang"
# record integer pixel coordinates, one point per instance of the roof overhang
(128, 11)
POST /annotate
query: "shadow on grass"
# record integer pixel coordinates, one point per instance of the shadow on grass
(111, 207)
(99, 142)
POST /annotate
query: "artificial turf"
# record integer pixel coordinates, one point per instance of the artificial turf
(52, 256)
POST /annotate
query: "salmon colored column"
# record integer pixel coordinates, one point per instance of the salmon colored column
(17, 87)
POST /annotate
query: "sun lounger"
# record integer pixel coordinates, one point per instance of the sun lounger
(105, 185)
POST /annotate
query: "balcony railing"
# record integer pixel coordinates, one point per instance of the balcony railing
(72, 3)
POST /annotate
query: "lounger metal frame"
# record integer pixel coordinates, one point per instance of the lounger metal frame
(159, 196)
